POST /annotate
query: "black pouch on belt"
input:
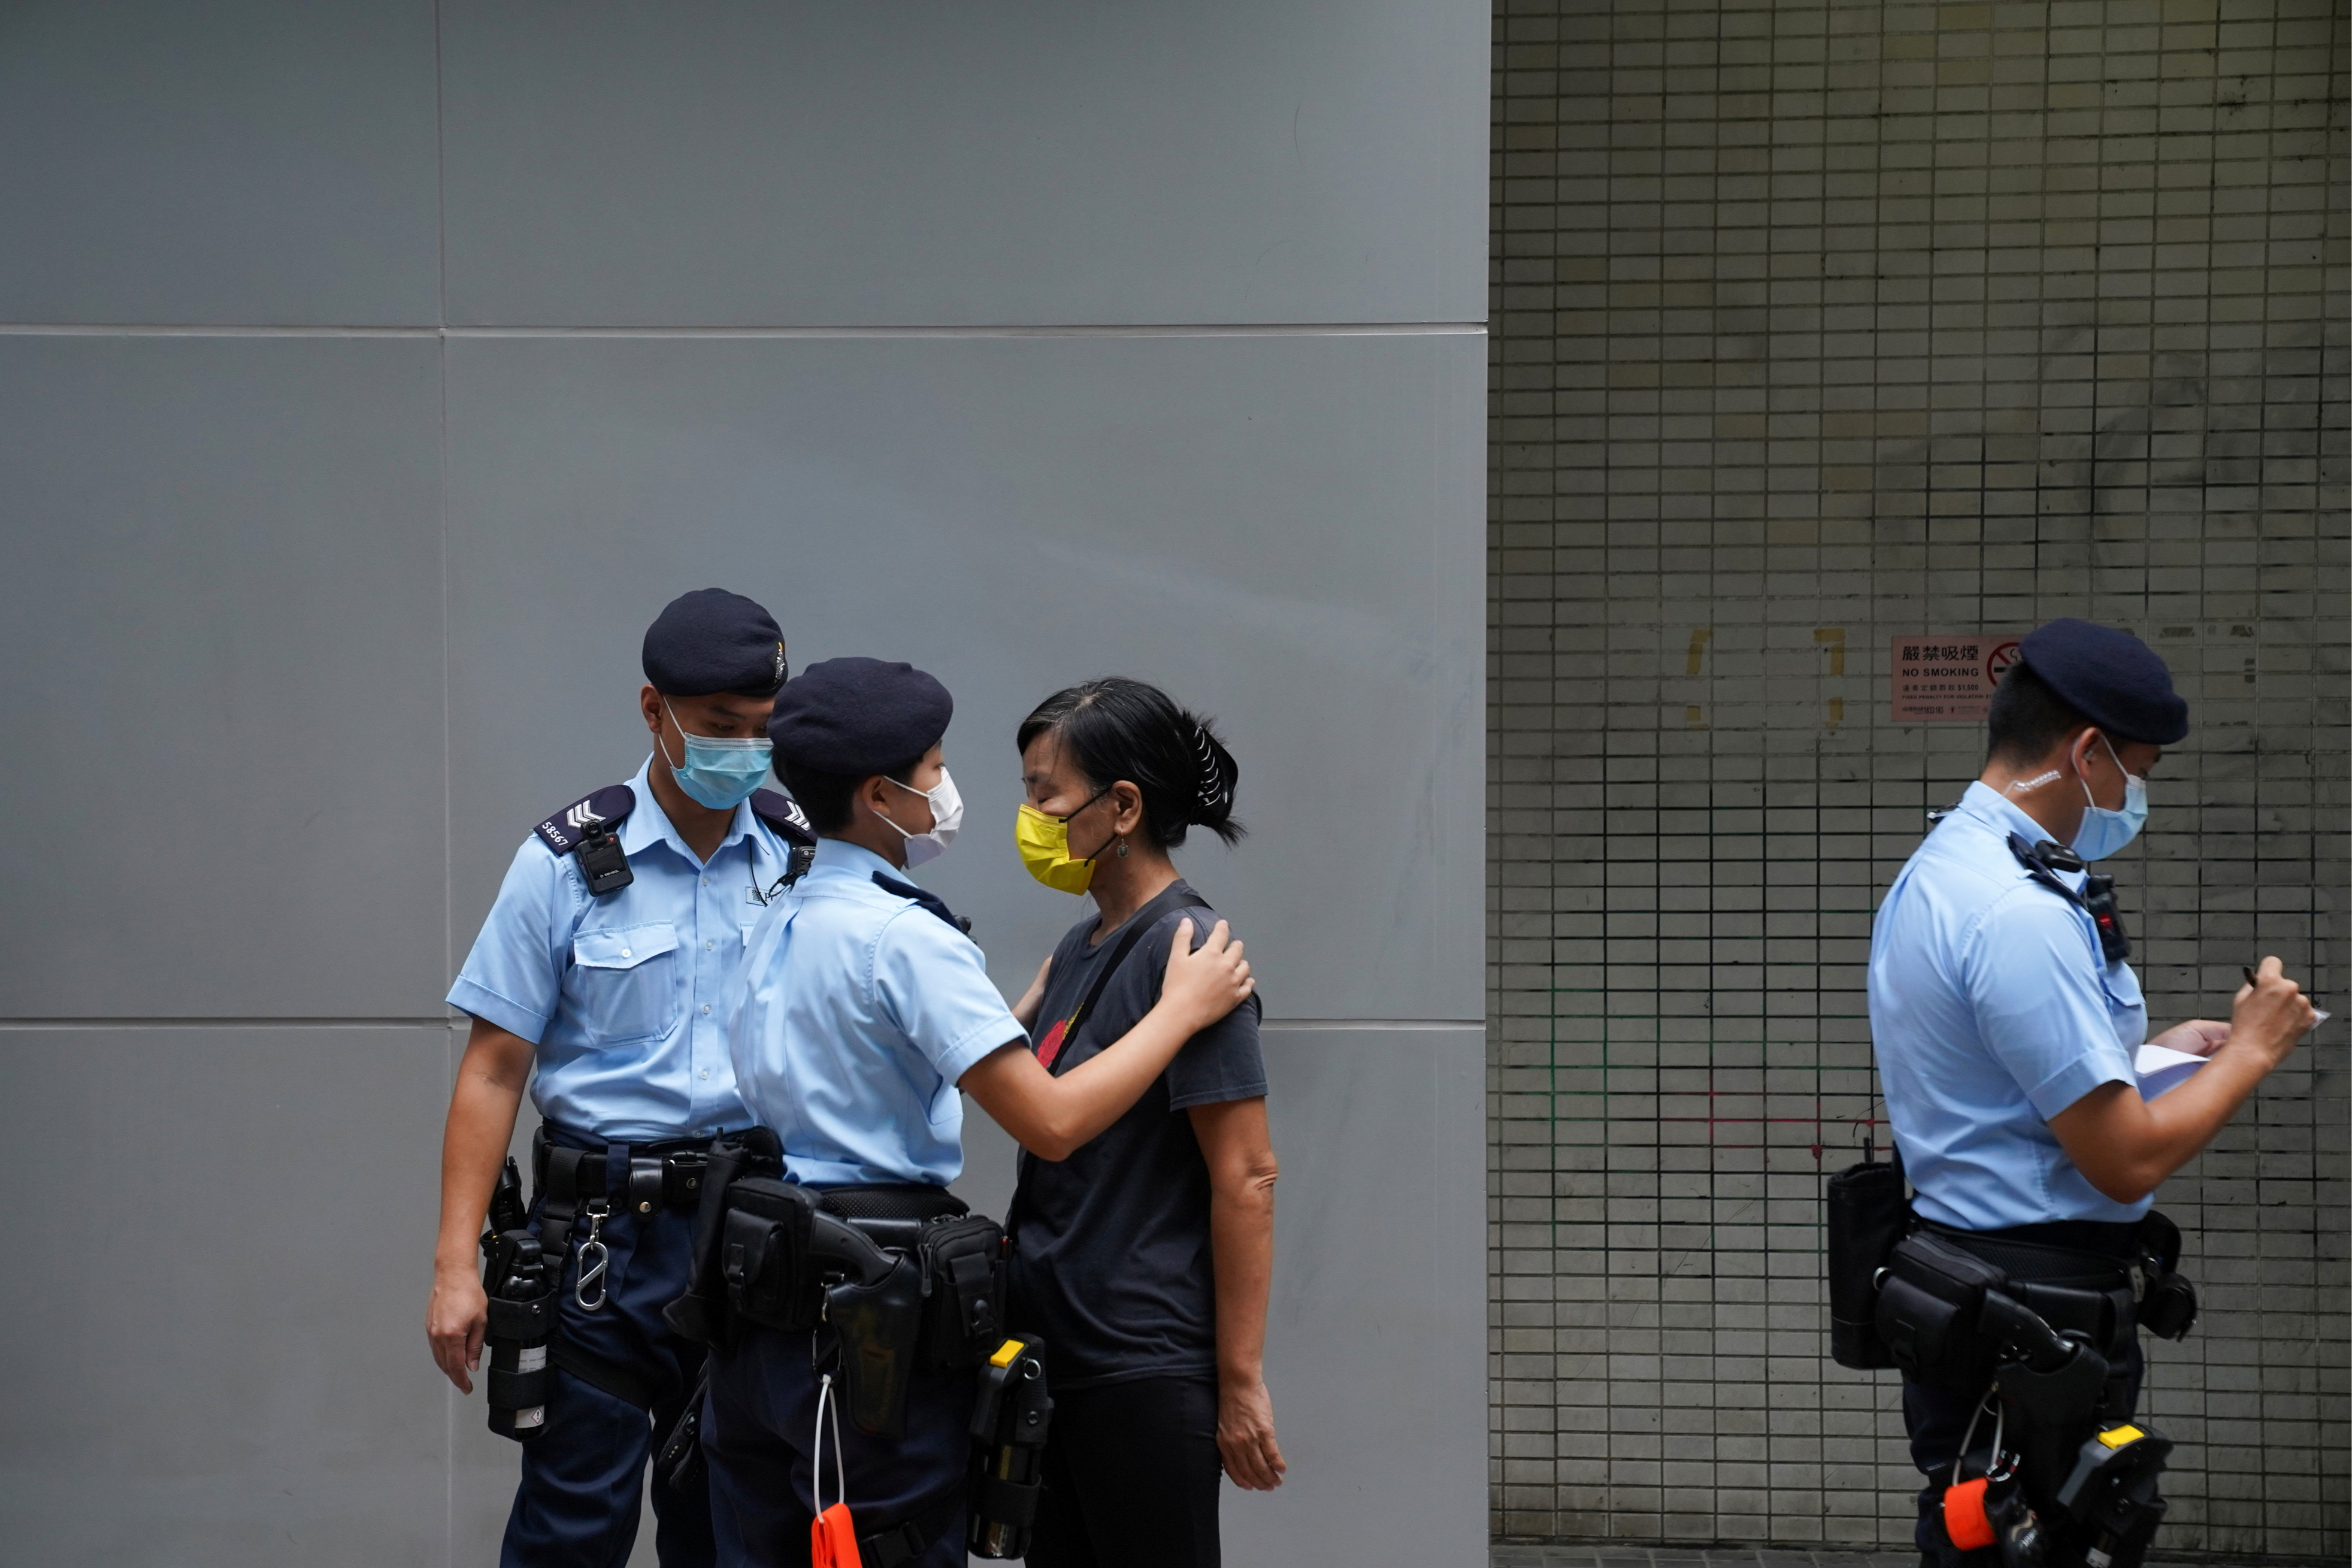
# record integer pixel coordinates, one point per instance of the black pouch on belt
(1927, 1311)
(963, 1262)
(1867, 1214)
(763, 1253)
(2168, 1308)
(522, 1286)
(701, 1313)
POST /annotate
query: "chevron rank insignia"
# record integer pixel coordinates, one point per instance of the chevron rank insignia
(603, 810)
(783, 815)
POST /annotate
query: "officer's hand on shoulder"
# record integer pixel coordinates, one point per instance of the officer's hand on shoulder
(1204, 985)
(2272, 1014)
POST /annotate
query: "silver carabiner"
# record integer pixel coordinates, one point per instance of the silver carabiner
(592, 1268)
(1993, 1471)
(1987, 1401)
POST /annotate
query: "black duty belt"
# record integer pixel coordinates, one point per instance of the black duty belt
(892, 1215)
(2087, 1290)
(661, 1176)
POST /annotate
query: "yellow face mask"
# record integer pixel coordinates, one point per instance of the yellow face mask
(1045, 844)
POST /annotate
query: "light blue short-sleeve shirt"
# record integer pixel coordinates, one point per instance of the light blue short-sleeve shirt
(627, 996)
(861, 1010)
(1992, 1010)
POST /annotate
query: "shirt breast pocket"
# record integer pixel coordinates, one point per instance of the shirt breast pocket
(2125, 1004)
(625, 981)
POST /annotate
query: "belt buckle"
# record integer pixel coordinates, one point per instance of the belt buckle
(644, 1184)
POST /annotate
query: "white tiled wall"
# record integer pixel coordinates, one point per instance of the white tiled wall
(1815, 325)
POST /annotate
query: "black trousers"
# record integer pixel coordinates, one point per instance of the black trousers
(1132, 1474)
(1937, 1418)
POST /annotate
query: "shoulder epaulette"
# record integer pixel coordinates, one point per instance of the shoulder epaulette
(787, 822)
(783, 814)
(584, 829)
(924, 897)
(2044, 861)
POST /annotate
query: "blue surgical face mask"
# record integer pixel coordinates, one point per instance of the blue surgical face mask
(722, 774)
(2103, 831)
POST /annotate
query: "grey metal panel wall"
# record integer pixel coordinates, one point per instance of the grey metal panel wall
(317, 600)
(212, 1319)
(1267, 526)
(237, 161)
(745, 164)
(222, 605)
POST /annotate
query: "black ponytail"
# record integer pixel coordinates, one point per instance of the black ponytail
(1117, 728)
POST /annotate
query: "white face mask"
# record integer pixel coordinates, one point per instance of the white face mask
(947, 820)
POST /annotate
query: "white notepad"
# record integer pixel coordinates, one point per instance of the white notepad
(2160, 1068)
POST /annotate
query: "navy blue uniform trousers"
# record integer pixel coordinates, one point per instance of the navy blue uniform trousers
(584, 1477)
(1937, 1418)
(757, 1428)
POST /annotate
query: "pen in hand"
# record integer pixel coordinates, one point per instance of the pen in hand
(2319, 1014)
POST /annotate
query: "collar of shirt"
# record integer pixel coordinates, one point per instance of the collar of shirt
(648, 823)
(1984, 804)
(837, 859)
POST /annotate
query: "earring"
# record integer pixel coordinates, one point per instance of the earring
(1122, 849)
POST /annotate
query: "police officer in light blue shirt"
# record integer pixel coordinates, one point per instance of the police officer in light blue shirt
(2005, 1017)
(609, 964)
(866, 1007)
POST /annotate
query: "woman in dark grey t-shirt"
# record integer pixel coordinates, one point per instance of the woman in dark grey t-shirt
(1144, 1258)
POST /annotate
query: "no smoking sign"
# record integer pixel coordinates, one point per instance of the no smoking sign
(1935, 678)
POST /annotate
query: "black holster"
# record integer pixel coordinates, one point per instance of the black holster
(894, 1278)
(877, 1325)
(907, 1280)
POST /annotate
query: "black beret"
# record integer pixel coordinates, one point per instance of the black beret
(858, 716)
(712, 640)
(2110, 678)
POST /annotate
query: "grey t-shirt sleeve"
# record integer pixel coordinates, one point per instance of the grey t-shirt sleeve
(1222, 1061)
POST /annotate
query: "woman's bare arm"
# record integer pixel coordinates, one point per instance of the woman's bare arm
(1242, 1170)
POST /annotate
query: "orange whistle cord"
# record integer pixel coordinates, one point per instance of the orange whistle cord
(1964, 1515)
(833, 1540)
